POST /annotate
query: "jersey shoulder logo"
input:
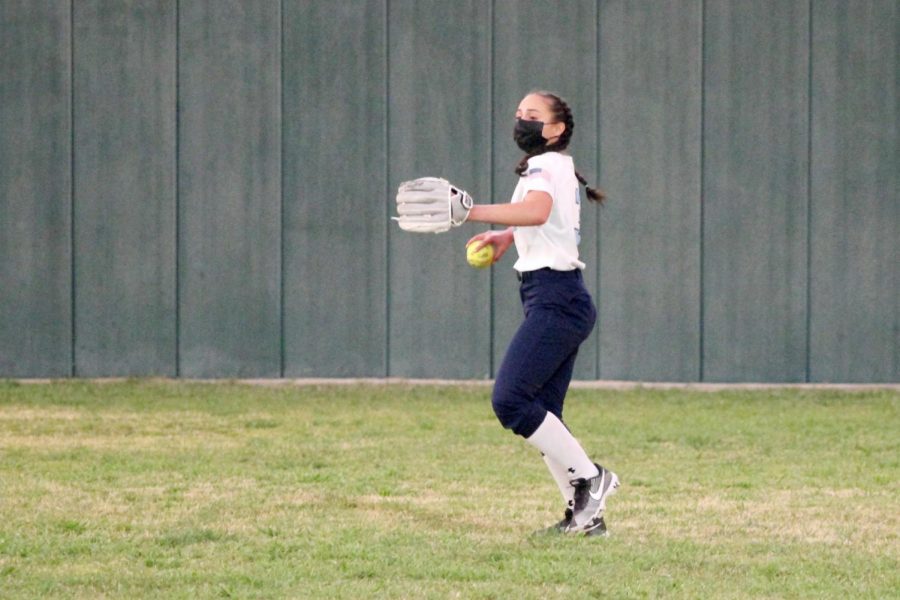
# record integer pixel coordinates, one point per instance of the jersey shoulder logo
(537, 173)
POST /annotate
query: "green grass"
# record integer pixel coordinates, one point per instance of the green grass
(181, 490)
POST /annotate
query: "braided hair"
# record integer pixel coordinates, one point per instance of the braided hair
(562, 114)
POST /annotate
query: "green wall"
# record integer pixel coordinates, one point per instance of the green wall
(202, 188)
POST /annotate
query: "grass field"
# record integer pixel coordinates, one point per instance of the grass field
(187, 490)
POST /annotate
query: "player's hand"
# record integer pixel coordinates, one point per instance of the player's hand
(501, 240)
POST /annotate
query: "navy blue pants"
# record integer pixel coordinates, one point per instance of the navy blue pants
(536, 371)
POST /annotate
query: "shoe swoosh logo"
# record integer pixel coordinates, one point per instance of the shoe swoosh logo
(596, 497)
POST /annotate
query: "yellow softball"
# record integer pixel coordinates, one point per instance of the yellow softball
(481, 258)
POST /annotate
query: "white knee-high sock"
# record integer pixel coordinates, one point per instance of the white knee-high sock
(554, 440)
(562, 478)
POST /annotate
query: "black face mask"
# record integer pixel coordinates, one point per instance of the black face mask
(528, 135)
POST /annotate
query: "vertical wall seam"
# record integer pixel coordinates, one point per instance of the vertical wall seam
(809, 158)
(72, 245)
(702, 299)
(177, 189)
(387, 191)
(598, 221)
(281, 308)
(491, 163)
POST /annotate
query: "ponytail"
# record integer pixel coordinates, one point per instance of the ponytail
(595, 194)
(523, 164)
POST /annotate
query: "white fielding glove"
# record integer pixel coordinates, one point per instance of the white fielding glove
(431, 205)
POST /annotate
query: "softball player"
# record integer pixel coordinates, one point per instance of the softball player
(543, 219)
(535, 373)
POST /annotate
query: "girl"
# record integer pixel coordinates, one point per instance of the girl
(544, 217)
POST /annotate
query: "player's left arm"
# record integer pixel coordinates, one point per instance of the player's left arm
(434, 205)
(533, 210)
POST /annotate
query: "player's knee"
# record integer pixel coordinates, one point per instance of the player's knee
(511, 406)
(506, 408)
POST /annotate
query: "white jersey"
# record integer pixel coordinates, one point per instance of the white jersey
(555, 243)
